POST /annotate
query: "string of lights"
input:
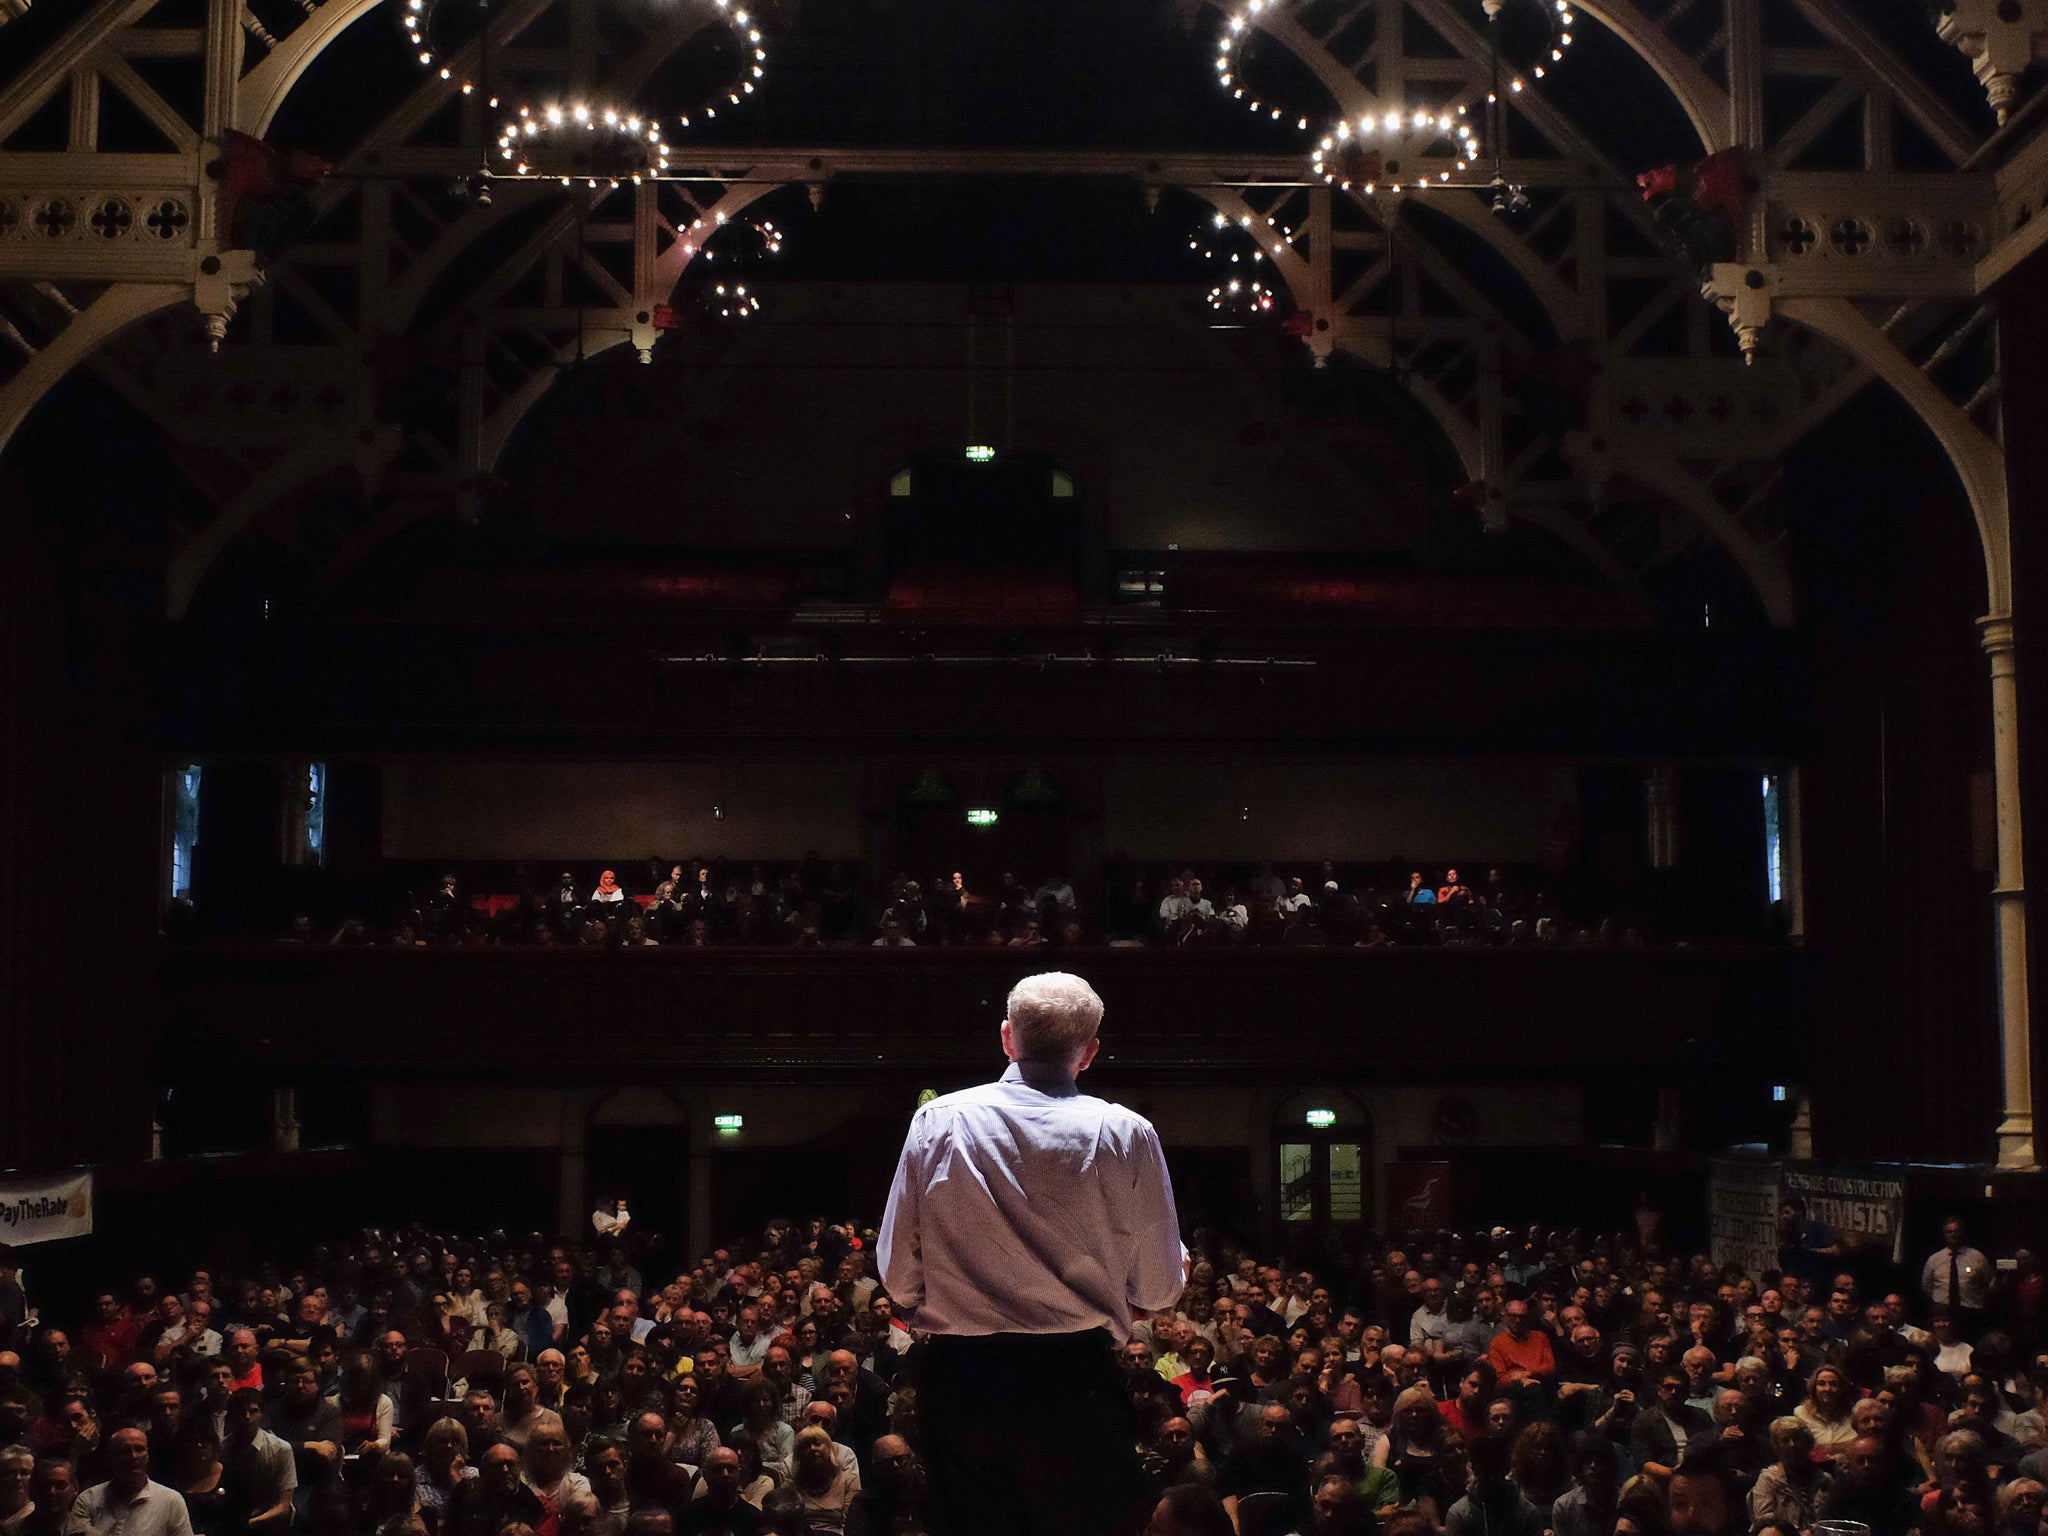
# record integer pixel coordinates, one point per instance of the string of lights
(1237, 30)
(754, 56)
(1553, 22)
(418, 18)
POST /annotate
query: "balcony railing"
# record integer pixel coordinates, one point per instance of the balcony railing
(1667, 1015)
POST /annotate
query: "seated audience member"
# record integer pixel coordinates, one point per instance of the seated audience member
(53, 1490)
(1589, 1508)
(1788, 1492)
(1541, 1463)
(1702, 1499)
(654, 1479)
(827, 1488)
(311, 1426)
(2020, 1508)
(495, 1498)
(443, 1465)
(1493, 1506)
(1273, 1461)
(1190, 1510)
(1868, 1489)
(17, 1502)
(129, 1503)
(1661, 1432)
(260, 1467)
(719, 1509)
(1338, 1508)
(1825, 1412)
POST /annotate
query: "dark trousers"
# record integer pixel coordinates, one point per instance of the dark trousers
(1029, 1435)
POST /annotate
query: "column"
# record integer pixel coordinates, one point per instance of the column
(284, 1119)
(1667, 1130)
(2016, 1123)
(1799, 1136)
(1792, 852)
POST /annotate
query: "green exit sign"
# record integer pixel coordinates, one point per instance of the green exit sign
(1322, 1119)
(730, 1122)
(980, 817)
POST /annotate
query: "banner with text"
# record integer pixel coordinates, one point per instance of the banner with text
(1862, 1204)
(1742, 1211)
(46, 1212)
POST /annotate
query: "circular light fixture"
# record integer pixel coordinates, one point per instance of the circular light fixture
(697, 237)
(1237, 30)
(1396, 151)
(1242, 295)
(1265, 236)
(581, 143)
(735, 303)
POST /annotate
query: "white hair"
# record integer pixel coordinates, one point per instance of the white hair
(1052, 1016)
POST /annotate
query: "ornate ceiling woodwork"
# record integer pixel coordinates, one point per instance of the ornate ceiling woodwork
(1877, 211)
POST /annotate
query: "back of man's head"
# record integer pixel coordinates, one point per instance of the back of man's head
(1190, 1509)
(1052, 1016)
(1489, 1457)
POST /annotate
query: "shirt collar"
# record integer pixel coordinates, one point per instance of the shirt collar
(1049, 1079)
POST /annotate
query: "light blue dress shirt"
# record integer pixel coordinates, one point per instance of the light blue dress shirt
(1027, 1206)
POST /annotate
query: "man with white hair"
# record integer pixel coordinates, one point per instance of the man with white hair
(1026, 1223)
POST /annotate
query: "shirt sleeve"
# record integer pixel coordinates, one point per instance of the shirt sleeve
(180, 1521)
(896, 1247)
(284, 1471)
(1158, 1258)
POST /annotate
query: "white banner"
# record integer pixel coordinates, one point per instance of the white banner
(1742, 1205)
(44, 1213)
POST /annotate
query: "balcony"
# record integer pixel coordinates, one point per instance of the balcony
(1672, 1015)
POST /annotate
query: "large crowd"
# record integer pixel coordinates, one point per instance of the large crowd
(1484, 1384)
(814, 904)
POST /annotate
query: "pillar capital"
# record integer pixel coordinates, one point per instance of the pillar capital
(1994, 633)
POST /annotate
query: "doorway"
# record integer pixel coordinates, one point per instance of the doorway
(1323, 1163)
(638, 1145)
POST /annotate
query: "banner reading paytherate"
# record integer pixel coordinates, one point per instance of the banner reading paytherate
(47, 1211)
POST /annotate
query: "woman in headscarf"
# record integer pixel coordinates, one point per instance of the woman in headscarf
(608, 890)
